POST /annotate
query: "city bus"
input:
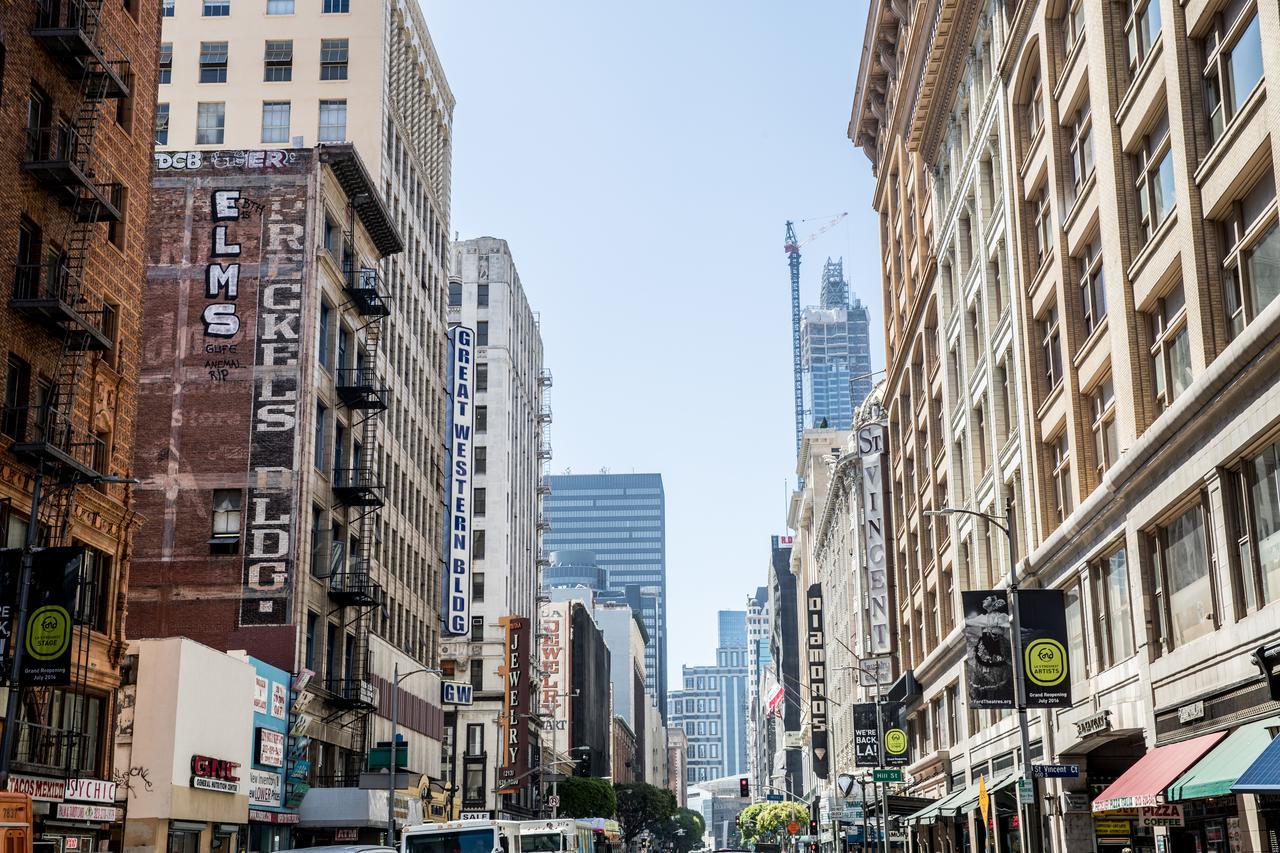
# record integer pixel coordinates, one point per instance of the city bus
(559, 835)
(462, 836)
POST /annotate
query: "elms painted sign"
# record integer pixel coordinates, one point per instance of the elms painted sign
(457, 593)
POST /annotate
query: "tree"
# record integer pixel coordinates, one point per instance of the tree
(586, 796)
(773, 819)
(747, 829)
(642, 806)
(682, 832)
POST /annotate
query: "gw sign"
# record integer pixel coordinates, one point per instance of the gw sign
(455, 693)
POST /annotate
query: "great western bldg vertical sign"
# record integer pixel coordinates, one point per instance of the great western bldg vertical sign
(457, 593)
(875, 538)
(817, 663)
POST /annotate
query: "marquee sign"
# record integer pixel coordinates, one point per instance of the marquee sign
(457, 594)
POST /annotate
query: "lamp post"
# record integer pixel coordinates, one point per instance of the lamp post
(881, 787)
(392, 764)
(1005, 525)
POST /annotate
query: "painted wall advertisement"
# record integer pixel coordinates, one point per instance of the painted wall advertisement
(988, 659)
(817, 662)
(457, 593)
(516, 705)
(866, 736)
(871, 449)
(554, 660)
(1046, 669)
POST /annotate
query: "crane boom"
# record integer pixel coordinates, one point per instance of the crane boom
(792, 248)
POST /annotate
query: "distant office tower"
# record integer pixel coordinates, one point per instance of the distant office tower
(621, 518)
(757, 660)
(712, 706)
(569, 569)
(835, 353)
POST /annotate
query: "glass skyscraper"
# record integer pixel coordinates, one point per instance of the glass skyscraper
(712, 706)
(621, 518)
(835, 353)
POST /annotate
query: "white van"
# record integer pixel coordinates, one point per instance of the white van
(462, 836)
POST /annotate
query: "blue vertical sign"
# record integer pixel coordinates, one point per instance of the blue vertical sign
(457, 592)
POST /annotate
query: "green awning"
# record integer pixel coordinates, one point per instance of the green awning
(929, 813)
(1215, 773)
(969, 802)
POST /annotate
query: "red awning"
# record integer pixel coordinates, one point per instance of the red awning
(1143, 784)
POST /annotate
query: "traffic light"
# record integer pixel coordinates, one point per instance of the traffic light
(744, 787)
(813, 826)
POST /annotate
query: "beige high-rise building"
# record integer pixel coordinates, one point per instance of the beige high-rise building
(1107, 172)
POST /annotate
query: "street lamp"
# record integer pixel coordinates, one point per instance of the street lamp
(880, 747)
(1005, 525)
(396, 678)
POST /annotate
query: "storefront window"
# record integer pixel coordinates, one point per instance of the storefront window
(1264, 517)
(1183, 579)
(1117, 618)
(184, 841)
(1077, 650)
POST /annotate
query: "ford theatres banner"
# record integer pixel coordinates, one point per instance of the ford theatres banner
(990, 657)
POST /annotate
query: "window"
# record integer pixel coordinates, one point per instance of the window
(1258, 526)
(455, 294)
(166, 63)
(277, 61)
(1042, 214)
(1060, 460)
(226, 517)
(1105, 438)
(275, 121)
(1114, 614)
(333, 121)
(1184, 590)
(482, 419)
(480, 461)
(1035, 106)
(279, 7)
(1170, 348)
(1081, 150)
(17, 394)
(333, 59)
(482, 296)
(213, 62)
(1077, 648)
(217, 8)
(473, 783)
(1051, 350)
(166, 8)
(1093, 290)
(475, 739)
(477, 675)
(320, 455)
(1073, 27)
(211, 120)
(332, 234)
(336, 7)
(1252, 257)
(325, 333)
(478, 501)
(482, 333)
(477, 544)
(310, 654)
(477, 629)
(477, 587)
(162, 124)
(1232, 67)
(116, 227)
(1154, 166)
(1141, 29)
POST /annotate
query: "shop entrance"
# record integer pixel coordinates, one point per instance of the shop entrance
(183, 840)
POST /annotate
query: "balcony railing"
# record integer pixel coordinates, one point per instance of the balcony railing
(43, 434)
(364, 288)
(70, 32)
(50, 295)
(352, 693)
(544, 377)
(52, 749)
(360, 388)
(357, 486)
(57, 157)
(352, 587)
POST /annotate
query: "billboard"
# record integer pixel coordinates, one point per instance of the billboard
(457, 593)
(875, 538)
(893, 716)
(817, 663)
(988, 661)
(516, 705)
(51, 601)
(866, 736)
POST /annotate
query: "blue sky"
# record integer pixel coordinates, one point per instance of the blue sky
(641, 159)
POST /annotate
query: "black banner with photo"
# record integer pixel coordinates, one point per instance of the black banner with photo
(10, 566)
(893, 721)
(988, 646)
(47, 640)
(1046, 669)
(866, 737)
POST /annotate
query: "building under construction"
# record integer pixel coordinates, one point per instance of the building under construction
(75, 152)
(835, 354)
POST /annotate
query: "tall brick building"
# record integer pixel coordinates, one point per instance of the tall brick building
(262, 464)
(76, 116)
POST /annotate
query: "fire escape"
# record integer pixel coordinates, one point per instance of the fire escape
(360, 490)
(53, 734)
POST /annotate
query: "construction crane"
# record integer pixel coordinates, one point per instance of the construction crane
(792, 248)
